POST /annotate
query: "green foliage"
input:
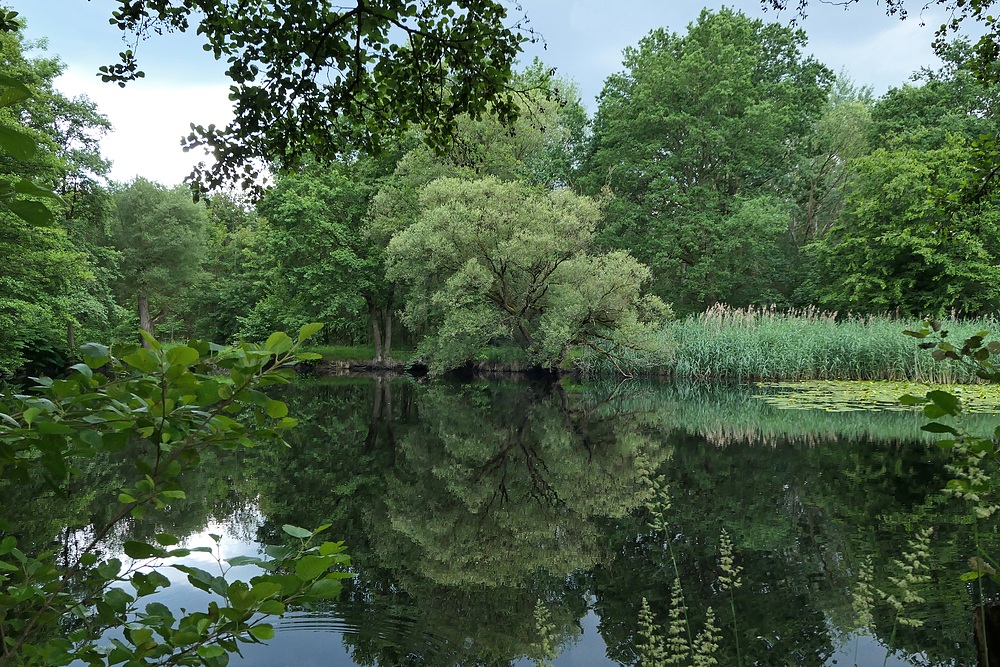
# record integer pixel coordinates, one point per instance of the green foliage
(773, 344)
(487, 260)
(940, 104)
(47, 143)
(235, 272)
(175, 405)
(319, 264)
(823, 166)
(690, 137)
(160, 234)
(905, 242)
(399, 63)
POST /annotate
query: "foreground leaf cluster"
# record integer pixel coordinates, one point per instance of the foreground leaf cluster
(172, 406)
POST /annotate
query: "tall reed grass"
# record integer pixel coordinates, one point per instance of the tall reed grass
(807, 344)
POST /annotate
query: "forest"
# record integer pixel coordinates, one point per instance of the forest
(722, 168)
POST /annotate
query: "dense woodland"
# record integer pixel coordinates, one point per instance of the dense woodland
(722, 166)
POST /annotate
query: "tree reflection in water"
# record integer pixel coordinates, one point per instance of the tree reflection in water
(463, 505)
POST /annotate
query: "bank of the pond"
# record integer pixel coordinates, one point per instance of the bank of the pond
(743, 345)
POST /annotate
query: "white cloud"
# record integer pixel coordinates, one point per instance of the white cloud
(883, 59)
(149, 120)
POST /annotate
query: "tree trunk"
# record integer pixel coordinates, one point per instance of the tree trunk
(71, 336)
(145, 321)
(376, 330)
(387, 329)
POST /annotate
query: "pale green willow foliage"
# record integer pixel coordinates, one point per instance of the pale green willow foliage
(490, 262)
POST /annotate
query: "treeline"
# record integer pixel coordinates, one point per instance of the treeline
(722, 166)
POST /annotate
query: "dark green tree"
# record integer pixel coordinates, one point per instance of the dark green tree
(691, 138)
(905, 242)
(317, 265)
(160, 234)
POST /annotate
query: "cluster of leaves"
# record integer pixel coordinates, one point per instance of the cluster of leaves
(20, 145)
(317, 79)
(975, 457)
(176, 405)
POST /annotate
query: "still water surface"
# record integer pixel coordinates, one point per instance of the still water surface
(464, 505)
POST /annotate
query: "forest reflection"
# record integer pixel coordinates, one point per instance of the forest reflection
(464, 505)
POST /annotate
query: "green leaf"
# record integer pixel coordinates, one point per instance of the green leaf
(139, 550)
(33, 212)
(143, 359)
(937, 427)
(272, 608)
(16, 143)
(276, 409)
(312, 567)
(182, 356)
(946, 401)
(210, 651)
(970, 576)
(237, 561)
(151, 340)
(295, 531)
(166, 540)
(26, 187)
(309, 329)
(262, 632)
(907, 399)
(13, 91)
(264, 590)
(83, 369)
(326, 588)
(278, 342)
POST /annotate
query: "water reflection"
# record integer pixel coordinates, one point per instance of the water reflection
(463, 505)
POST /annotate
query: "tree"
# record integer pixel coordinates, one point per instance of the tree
(489, 261)
(49, 144)
(311, 79)
(824, 164)
(539, 148)
(908, 238)
(903, 242)
(940, 103)
(317, 269)
(986, 50)
(160, 234)
(691, 138)
(236, 270)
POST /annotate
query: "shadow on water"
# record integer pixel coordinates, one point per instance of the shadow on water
(463, 505)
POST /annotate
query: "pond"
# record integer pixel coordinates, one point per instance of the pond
(467, 507)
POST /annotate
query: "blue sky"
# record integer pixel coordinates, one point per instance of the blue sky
(584, 41)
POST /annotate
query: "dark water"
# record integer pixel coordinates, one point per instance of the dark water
(464, 505)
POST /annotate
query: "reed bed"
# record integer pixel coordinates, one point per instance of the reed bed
(767, 343)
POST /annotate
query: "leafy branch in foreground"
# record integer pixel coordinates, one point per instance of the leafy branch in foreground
(174, 405)
(975, 458)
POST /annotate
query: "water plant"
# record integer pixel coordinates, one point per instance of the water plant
(769, 343)
(729, 579)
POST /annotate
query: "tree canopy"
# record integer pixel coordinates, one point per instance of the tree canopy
(691, 138)
(488, 260)
(316, 78)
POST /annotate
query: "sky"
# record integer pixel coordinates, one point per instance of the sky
(583, 40)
